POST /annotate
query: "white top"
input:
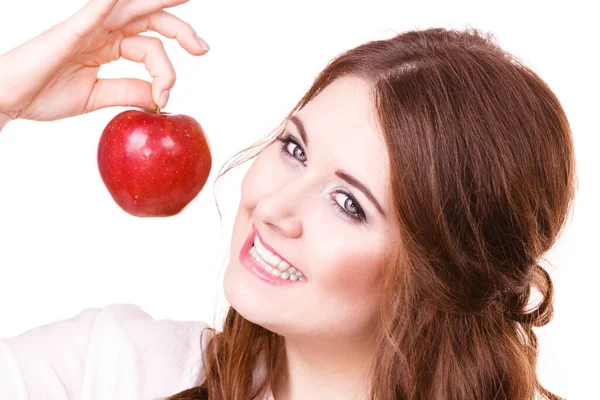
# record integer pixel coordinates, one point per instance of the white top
(116, 352)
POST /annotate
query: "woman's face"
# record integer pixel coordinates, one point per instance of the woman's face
(317, 221)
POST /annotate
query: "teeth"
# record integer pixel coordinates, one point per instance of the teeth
(283, 266)
(284, 273)
(274, 260)
(271, 258)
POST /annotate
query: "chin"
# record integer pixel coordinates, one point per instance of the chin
(248, 301)
(242, 295)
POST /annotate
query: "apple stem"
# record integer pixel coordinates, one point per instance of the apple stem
(157, 109)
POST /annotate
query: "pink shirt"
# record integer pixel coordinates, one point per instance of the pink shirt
(116, 352)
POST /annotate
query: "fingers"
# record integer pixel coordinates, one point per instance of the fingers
(84, 21)
(127, 92)
(128, 11)
(151, 52)
(170, 26)
(51, 48)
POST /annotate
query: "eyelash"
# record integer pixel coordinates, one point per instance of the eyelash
(286, 139)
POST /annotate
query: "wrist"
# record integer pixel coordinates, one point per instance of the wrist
(4, 118)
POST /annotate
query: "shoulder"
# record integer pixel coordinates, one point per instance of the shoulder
(118, 351)
(137, 355)
(130, 321)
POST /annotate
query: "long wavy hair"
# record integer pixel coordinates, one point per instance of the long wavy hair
(482, 171)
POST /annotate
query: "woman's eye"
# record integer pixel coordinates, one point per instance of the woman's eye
(292, 149)
(350, 208)
(347, 204)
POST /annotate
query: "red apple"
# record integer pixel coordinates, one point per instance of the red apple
(153, 163)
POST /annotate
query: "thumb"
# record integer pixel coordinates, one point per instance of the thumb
(88, 18)
(126, 92)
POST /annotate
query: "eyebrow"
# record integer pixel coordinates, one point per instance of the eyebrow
(338, 172)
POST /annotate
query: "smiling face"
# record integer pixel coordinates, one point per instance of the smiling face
(317, 221)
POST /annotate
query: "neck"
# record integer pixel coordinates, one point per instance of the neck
(324, 369)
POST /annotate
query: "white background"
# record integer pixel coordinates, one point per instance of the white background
(65, 245)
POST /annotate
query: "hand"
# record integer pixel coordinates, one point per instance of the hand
(55, 74)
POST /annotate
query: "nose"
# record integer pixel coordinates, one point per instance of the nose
(280, 211)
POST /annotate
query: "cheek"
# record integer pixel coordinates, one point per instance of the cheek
(264, 176)
(354, 271)
(352, 280)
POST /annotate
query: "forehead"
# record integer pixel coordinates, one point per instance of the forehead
(343, 133)
(345, 104)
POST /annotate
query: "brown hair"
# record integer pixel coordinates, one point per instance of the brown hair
(482, 180)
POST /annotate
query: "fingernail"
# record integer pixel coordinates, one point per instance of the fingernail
(202, 43)
(164, 97)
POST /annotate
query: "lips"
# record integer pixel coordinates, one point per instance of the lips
(257, 269)
(266, 246)
(254, 232)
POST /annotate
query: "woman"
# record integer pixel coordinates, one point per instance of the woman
(388, 233)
